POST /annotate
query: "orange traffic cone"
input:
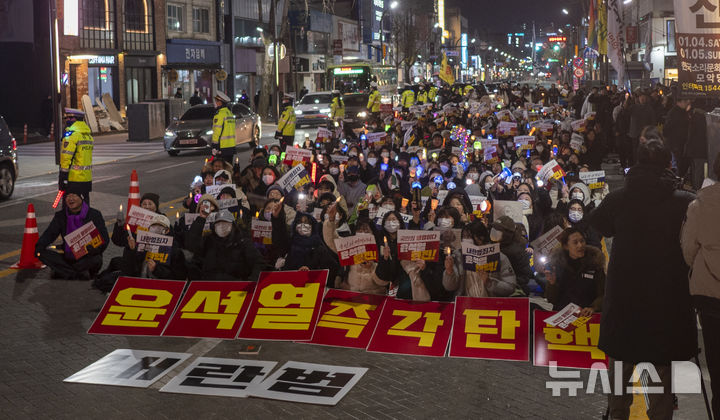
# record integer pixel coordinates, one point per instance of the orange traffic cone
(134, 194)
(27, 255)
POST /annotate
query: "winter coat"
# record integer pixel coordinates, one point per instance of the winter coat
(647, 311)
(132, 264)
(700, 242)
(520, 262)
(501, 283)
(581, 281)
(676, 129)
(697, 145)
(640, 117)
(58, 227)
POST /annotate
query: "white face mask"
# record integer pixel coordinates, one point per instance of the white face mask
(157, 229)
(304, 229)
(495, 235)
(539, 148)
(268, 179)
(392, 226)
(525, 204)
(389, 207)
(385, 154)
(577, 196)
(575, 216)
(488, 185)
(223, 229)
(334, 171)
(352, 154)
(268, 215)
(445, 222)
(275, 153)
(473, 175)
(372, 161)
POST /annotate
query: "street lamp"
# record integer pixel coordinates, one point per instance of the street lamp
(393, 5)
(565, 12)
(472, 41)
(259, 29)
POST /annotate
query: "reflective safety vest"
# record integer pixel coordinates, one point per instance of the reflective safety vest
(467, 90)
(224, 128)
(408, 98)
(337, 108)
(76, 153)
(422, 97)
(374, 101)
(432, 94)
(286, 124)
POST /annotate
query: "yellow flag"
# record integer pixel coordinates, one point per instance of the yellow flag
(446, 72)
(602, 29)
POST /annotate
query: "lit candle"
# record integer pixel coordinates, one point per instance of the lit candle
(447, 251)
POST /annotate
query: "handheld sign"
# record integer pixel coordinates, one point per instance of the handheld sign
(418, 245)
(356, 249)
(156, 247)
(480, 258)
(80, 238)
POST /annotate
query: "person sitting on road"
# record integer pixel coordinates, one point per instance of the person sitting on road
(76, 214)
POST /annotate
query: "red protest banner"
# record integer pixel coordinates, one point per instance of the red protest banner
(138, 307)
(418, 245)
(491, 328)
(408, 327)
(574, 349)
(356, 249)
(213, 309)
(348, 319)
(285, 305)
(80, 238)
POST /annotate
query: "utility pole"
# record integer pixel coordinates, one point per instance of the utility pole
(55, 71)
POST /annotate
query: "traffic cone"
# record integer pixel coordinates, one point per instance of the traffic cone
(134, 194)
(28, 259)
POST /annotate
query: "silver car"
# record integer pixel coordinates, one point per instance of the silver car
(193, 130)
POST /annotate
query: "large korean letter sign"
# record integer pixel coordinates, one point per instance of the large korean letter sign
(285, 305)
(138, 307)
(348, 319)
(697, 39)
(575, 349)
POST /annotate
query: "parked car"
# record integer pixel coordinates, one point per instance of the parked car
(313, 109)
(356, 112)
(193, 130)
(8, 161)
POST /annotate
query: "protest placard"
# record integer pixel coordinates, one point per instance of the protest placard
(572, 349)
(348, 319)
(579, 126)
(407, 124)
(568, 318)
(416, 245)
(550, 170)
(546, 243)
(480, 258)
(261, 232)
(214, 190)
(156, 247)
(377, 139)
(512, 209)
(295, 156)
(80, 238)
(576, 142)
(507, 129)
(594, 180)
(356, 249)
(295, 178)
(323, 135)
(139, 217)
(490, 155)
(524, 142)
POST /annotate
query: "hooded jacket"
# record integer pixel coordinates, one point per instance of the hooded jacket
(701, 242)
(647, 310)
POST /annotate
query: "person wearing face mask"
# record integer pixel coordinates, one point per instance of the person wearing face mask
(389, 268)
(576, 191)
(274, 212)
(224, 254)
(150, 202)
(500, 283)
(305, 247)
(352, 188)
(267, 178)
(534, 220)
(576, 218)
(505, 232)
(575, 274)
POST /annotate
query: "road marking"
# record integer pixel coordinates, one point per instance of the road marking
(199, 349)
(168, 167)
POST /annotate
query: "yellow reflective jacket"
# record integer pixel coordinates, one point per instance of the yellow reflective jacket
(432, 94)
(422, 97)
(224, 128)
(374, 101)
(407, 98)
(337, 108)
(286, 124)
(467, 90)
(76, 153)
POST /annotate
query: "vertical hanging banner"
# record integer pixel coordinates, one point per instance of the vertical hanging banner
(491, 328)
(419, 328)
(213, 309)
(573, 349)
(138, 307)
(616, 38)
(348, 319)
(697, 39)
(285, 306)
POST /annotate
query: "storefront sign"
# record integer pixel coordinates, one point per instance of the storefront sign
(193, 52)
(140, 61)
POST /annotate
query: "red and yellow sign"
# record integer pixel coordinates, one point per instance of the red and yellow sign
(416, 245)
(212, 309)
(491, 328)
(285, 306)
(348, 319)
(574, 349)
(138, 307)
(419, 328)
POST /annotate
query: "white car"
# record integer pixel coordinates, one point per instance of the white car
(313, 109)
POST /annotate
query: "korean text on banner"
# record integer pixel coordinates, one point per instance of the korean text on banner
(377, 139)
(261, 232)
(323, 135)
(295, 156)
(418, 245)
(285, 305)
(156, 247)
(550, 170)
(213, 309)
(507, 129)
(348, 319)
(491, 328)
(356, 249)
(408, 327)
(138, 307)
(573, 349)
(698, 47)
(545, 244)
(480, 258)
(294, 178)
(524, 142)
(80, 238)
(214, 190)
(594, 180)
(139, 217)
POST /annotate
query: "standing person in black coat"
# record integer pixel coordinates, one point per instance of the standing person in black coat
(642, 114)
(696, 149)
(676, 130)
(647, 311)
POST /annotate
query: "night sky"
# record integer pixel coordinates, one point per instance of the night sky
(498, 16)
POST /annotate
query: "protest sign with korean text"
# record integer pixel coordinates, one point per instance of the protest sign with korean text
(416, 245)
(551, 170)
(568, 318)
(213, 309)
(594, 179)
(156, 247)
(507, 129)
(356, 249)
(377, 139)
(348, 319)
(579, 126)
(261, 232)
(545, 244)
(215, 190)
(480, 258)
(576, 142)
(138, 307)
(296, 155)
(408, 327)
(295, 178)
(573, 349)
(491, 328)
(82, 237)
(524, 142)
(323, 135)
(285, 305)
(139, 217)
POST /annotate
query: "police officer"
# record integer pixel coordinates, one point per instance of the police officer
(422, 96)
(432, 93)
(337, 107)
(76, 155)
(223, 137)
(286, 124)
(407, 99)
(373, 104)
